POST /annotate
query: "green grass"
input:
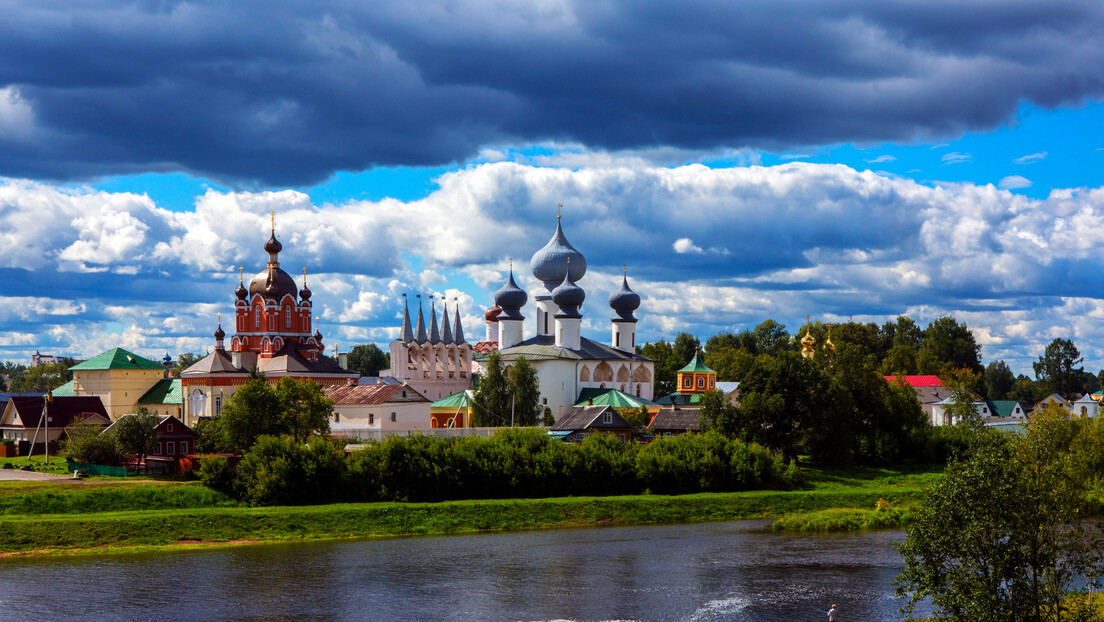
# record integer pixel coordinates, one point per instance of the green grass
(56, 464)
(60, 518)
(843, 519)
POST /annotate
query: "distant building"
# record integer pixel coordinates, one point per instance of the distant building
(564, 360)
(383, 407)
(44, 359)
(174, 439)
(273, 334)
(454, 411)
(23, 415)
(124, 381)
(1086, 406)
(436, 362)
(929, 391)
(673, 422)
(581, 421)
(695, 379)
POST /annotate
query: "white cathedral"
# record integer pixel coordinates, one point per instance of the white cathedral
(565, 361)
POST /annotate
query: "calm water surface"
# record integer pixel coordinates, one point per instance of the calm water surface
(711, 571)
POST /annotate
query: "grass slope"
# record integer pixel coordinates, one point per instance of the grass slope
(52, 518)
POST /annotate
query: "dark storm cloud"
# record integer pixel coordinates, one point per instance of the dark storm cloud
(287, 93)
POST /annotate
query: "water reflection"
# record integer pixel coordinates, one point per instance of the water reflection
(711, 571)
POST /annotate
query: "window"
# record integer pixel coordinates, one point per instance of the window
(183, 447)
(393, 417)
(337, 418)
(544, 400)
(170, 448)
(686, 383)
(168, 428)
(617, 340)
(257, 318)
(287, 317)
(701, 383)
(607, 418)
(218, 405)
(371, 418)
(159, 452)
(712, 383)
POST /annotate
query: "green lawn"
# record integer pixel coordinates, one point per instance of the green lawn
(54, 518)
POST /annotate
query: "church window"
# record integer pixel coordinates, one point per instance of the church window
(687, 382)
(218, 405)
(257, 318)
(584, 374)
(712, 383)
(701, 382)
(392, 417)
(287, 317)
(617, 340)
(371, 418)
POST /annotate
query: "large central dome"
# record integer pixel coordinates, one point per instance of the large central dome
(550, 264)
(281, 282)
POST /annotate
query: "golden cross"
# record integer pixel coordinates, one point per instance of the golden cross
(558, 211)
(241, 274)
(273, 221)
(304, 276)
(626, 269)
(808, 320)
(220, 320)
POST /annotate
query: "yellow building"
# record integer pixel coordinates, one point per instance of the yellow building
(696, 377)
(124, 381)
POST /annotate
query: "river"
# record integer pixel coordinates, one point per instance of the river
(708, 571)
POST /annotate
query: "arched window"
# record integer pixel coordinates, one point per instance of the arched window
(687, 382)
(701, 382)
(712, 383)
(257, 317)
(287, 317)
(584, 374)
(623, 374)
(603, 373)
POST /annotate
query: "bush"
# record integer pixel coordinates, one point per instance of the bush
(708, 463)
(7, 441)
(279, 471)
(86, 444)
(215, 473)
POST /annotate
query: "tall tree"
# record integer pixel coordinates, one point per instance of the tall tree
(136, 435)
(902, 332)
(524, 388)
(777, 396)
(721, 416)
(492, 395)
(254, 410)
(999, 380)
(184, 360)
(946, 345)
(304, 408)
(730, 363)
(666, 366)
(771, 337)
(685, 347)
(900, 360)
(368, 359)
(42, 378)
(1057, 368)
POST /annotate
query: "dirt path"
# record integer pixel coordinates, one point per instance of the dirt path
(15, 475)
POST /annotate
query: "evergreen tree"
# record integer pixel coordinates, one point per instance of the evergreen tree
(999, 380)
(685, 347)
(1057, 368)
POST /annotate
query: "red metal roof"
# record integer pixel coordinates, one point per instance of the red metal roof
(373, 394)
(918, 381)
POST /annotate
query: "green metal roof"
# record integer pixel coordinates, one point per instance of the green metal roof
(116, 358)
(681, 399)
(166, 391)
(611, 397)
(696, 365)
(65, 390)
(1003, 408)
(457, 400)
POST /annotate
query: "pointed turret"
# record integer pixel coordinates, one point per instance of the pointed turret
(407, 335)
(457, 327)
(422, 338)
(446, 330)
(434, 334)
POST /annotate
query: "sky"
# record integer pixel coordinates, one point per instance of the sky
(742, 161)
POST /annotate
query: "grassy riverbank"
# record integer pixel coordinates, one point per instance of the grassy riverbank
(54, 518)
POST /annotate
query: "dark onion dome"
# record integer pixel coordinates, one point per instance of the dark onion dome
(281, 283)
(624, 301)
(550, 263)
(241, 292)
(219, 334)
(167, 360)
(318, 336)
(273, 245)
(492, 314)
(511, 299)
(568, 297)
(304, 294)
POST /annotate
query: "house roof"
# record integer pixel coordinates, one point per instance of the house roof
(680, 399)
(918, 381)
(369, 394)
(62, 412)
(696, 365)
(162, 420)
(1085, 399)
(64, 390)
(1004, 408)
(543, 348)
(217, 362)
(588, 417)
(671, 420)
(456, 400)
(728, 387)
(611, 397)
(164, 391)
(116, 358)
(287, 360)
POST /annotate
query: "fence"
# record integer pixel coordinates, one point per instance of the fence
(376, 434)
(96, 469)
